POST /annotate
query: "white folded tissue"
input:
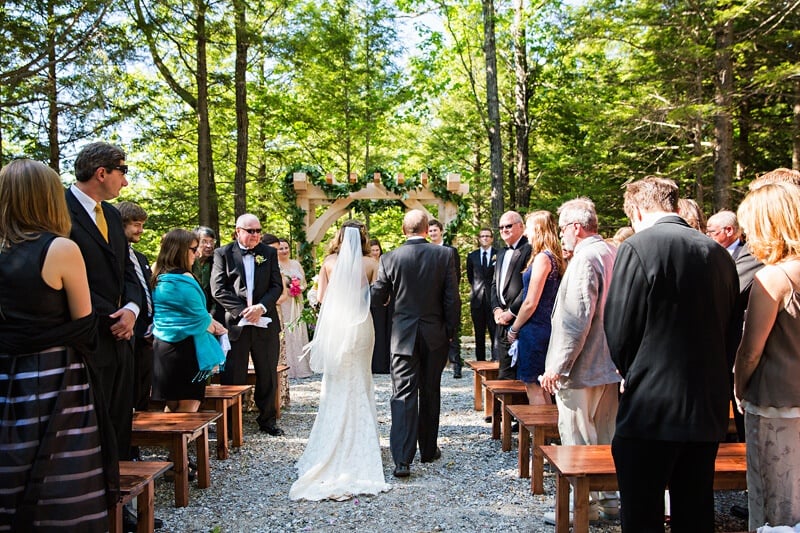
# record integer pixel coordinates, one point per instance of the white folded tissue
(779, 529)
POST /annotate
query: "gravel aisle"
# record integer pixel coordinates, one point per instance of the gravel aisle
(473, 487)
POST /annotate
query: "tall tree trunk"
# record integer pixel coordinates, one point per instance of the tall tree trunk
(796, 127)
(493, 112)
(723, 127)
(521, 124)
(207, 189)
(52, 96)
(513, 199)
(242, 124)
(744, 153)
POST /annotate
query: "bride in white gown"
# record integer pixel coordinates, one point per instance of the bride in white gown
(343, 454)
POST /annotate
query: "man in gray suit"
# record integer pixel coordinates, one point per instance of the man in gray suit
(421, 280)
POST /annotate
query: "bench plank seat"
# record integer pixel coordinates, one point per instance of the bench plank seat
(137, 480)
(222, 399)
(499, 394)
(482, 371)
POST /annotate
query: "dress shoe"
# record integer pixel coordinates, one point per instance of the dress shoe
(488, 419)
(275, 431)
(436, 455)
(515, 427)
(402, 470)
(457, 372)
(740, 511)
(130, 521)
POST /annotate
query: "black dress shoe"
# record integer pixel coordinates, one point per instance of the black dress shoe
(436, 455)
(275, 431)
(402, 470)
(130, 521)
(515, 427)
(488, 419)
(457, 374)
(740, 511)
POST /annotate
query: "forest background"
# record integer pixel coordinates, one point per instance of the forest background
(531, 103)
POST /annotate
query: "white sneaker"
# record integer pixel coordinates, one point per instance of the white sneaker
(594, 515)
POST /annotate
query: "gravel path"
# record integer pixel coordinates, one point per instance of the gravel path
(473, 487)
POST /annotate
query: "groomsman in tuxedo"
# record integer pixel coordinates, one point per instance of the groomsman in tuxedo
(116, 293)
(507, 286)
(246, 281)
(420, 278)
(133, 219)
(480, 271)
(436, 236)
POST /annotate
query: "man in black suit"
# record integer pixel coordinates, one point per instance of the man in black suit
(668, 322)
(133, 219)
(436, 236)
(421, 280)
(246, 281)
(97, 229)
(507, 286)
(480, 271)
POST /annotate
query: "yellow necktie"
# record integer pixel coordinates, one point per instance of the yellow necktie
(100, 220)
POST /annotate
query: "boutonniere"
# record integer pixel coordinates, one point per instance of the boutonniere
(259, 259)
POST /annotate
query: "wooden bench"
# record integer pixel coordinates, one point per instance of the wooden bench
(482, 371)
(536, 423)
(220, 399)
(137, 480)
(591, 468)
(175, 431)
(500, 393)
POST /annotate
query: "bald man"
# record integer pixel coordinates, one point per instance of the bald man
(246, 282)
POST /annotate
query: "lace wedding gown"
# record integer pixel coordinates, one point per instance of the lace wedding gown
(343, 454)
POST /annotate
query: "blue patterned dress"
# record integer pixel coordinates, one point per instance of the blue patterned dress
(534, 335)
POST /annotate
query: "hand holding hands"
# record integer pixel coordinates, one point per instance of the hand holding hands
(253, 313)
(550, 382)
(215, 328)
(122, 329)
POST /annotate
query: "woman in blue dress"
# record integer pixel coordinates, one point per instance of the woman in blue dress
(531, 328)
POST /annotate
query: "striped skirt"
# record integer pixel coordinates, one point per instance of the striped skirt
(51, 469)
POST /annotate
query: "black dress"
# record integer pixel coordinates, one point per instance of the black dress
(174, 368)
(52, 475)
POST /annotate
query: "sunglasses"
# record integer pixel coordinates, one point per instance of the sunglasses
(193, 249)
(251, 231)
(121, 168)
(507, 226)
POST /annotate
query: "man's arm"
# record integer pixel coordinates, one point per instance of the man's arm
(222, 286)
(470, 270)
(382, 287)
(451, 298)
(275, 283)
(516, 303)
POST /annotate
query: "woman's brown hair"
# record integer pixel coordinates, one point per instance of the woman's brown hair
(174, 253)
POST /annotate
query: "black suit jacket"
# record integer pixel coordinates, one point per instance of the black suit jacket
(511, 287)
(480, 277)
(420, 278)
(668, 322)
(112, 277)
(144, 319)
(228, 284)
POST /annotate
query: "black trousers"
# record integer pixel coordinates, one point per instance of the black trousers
(143, 372)
(501, 346)
(415, 403)
(112, 370)
(645, 468)
(263, 345)
(482, 319)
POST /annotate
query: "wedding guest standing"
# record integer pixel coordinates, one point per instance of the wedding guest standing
(201, 268)
(283, 379)
(480, 271)
(531, 328)
(246, 281)
(185, 349)
(768, 360)
(295, 332)
(51, 449)
(381, 321)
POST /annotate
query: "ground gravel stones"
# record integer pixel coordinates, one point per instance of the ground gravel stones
(473, 487)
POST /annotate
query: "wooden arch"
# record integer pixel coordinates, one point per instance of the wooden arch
(310, 196)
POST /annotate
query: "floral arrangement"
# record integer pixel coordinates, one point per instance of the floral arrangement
(309, 313)
(258, 258)
(295, 289)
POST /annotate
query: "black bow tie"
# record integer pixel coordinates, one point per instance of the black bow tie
(246, 251)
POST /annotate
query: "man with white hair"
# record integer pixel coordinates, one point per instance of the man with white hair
(247, 282)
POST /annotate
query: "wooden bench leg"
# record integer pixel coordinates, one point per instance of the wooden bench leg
(494, 402)
(487, 401)
(477, 390)
(562, 504)
(221, 406)
(115, 518)
(506, 432)
(203, 464)
(580, 505)
(537, 474)
(180, 458)
(524, 452)
(236, 421)
(145, 503)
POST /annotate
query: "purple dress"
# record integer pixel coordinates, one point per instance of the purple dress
(534, 335)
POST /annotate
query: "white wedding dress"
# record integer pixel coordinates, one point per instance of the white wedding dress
(343, 455)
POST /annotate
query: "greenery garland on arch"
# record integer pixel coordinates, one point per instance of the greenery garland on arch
(436, 184)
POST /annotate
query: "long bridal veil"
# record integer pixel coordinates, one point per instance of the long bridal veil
(346, 305)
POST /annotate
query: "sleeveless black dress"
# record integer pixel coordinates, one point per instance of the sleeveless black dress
(52, 475)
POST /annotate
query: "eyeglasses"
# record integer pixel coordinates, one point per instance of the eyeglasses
(507, 226)
(251, 231)
(712, 232)
(208, 242)
(121, 168)
(484, 236)
(193, 249)
(565, 226)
